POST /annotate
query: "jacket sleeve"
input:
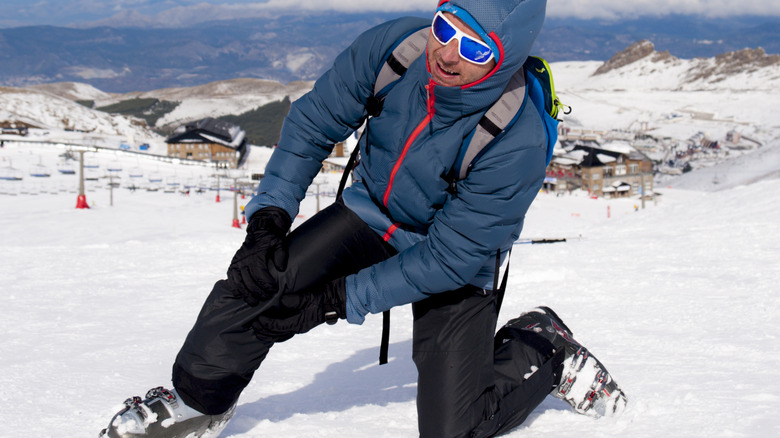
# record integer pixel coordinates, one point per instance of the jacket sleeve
(326, 115)
(490, 206)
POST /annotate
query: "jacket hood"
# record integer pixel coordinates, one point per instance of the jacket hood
(511, 25)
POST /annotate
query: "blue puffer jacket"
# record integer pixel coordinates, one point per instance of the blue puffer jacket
(444, 241)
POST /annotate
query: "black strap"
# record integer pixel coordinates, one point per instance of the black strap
(384, 346)
(489, 126)
(394, 64)
(499, 290)
(347, 170)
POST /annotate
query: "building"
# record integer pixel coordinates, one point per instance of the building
(615, 174)
(612, 172)
(209, 139)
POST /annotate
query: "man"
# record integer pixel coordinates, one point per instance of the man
(399, 234)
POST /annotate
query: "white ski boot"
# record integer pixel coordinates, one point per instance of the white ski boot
(164, 415)
(585, 383)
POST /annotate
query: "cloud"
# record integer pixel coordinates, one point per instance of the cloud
(181, 12)
(353, 5)
(184, 13)
(613, 9)
(561, 8)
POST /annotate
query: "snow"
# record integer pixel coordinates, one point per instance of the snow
(48, 111)
(677, 299)
(632, 94)
(606, 158)
(191, 109)
(230, 97)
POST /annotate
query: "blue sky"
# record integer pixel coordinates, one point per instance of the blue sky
(80, 12)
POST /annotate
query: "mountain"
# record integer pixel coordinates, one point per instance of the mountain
(669, 107)
(67, 121)
(256, 105)
(301, 46)
(697, 73)
(684, 36)
(639, 93)
(287, 48)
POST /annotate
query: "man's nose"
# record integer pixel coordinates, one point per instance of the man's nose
(449, 53)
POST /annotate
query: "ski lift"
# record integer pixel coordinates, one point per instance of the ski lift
(190, 184)
(40, 171)
(91, 174)
(172, 181)
(9, 173)
(66, 168)
(136, 173)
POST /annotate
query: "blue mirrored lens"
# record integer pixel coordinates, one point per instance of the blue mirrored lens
(474, 50)
(442, 30)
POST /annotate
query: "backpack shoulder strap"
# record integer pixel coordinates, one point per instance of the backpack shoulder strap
(497, 119)
(396, 62)
(399, 59)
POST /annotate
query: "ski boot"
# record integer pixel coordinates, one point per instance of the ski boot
(585, 383)
(163, 415)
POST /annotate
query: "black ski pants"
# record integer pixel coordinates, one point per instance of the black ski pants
(467, 386)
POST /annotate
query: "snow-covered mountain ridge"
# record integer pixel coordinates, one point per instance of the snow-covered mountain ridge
(639, 90)
(234, 96)
(749, 69)
(667, 107)
(59, 115)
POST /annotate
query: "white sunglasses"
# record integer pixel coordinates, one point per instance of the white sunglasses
(470, 49)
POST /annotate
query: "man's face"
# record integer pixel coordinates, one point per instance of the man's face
(447, 67)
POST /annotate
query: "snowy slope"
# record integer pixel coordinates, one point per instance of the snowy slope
(660, 94)
(63, 121)
(679, 300)
(673, 99)
(51, 112)
(73, 90)
(216, 99)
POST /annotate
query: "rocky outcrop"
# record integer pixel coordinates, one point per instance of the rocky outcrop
(731, 63)
(630, 55)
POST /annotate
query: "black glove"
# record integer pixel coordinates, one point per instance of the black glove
(263, 249)
(301, 311)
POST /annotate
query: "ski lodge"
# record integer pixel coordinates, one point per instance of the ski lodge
(211, 140)
(613, 170)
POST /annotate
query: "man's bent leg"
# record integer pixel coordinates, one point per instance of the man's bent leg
(221, 352)
(526, 369)
(470, 383)
(453, 352)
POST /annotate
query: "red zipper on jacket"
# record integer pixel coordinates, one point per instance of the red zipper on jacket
(430, 104)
